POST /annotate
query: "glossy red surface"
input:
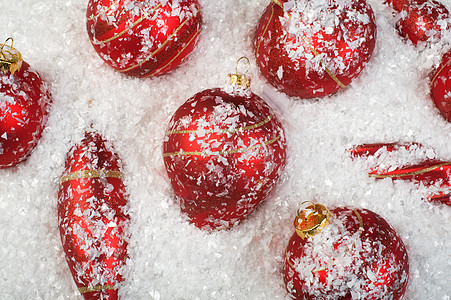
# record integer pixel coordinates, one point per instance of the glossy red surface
(93, 219)
(441, 87)
(429, 172)
(316, 60)
(421, 20)
(224, 154)
(143, 38)
(372, 265)
(24, 105)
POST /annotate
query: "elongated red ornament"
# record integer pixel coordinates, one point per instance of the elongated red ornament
(310, 49)
(429, 172)
(344, 253)
(143, 38)
(24, 106)
(93, 218)
(441, 87)
(224, 152)
(421, 20)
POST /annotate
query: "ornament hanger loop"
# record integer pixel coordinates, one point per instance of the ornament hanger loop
(5, 44)
(248, 65)
(239, 79)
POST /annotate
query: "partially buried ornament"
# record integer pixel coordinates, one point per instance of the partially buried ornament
(441, 87)
(342, 254)
(143, 38)
(421, 20)
(93, 218)
(24, 106)
(429, 171)
(224, 152)
(314, 48)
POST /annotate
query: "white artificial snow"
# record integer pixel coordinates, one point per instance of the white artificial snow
(169, 258)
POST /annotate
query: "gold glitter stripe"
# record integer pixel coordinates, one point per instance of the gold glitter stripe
(259, 124)
(177, 55)
(89, 289)
(328, 71)
(360, 219)
(439, 71)
(85, 174)
(104, 11)
(240, 150)
(161, 47)
(419, 172)
(264, 31)
(128, 28)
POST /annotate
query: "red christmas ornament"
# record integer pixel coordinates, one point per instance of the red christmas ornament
(224, 152)
(421, 20)
(93, 218)
(312, 48)
(24, 106)
(441, 87)
(344, 254)
(430, 172)
(143, 38)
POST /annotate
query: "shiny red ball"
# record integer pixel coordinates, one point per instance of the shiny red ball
(24, 105)
(143, 38)
(312, 50)
(421, 20)
(357, 256)
(441, 87)
(223, 153)
(93, 218)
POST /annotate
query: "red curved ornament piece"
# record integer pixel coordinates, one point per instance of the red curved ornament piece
(143, 38)
(429, 172)
(93, 218)
(357, 256)
(223, 154)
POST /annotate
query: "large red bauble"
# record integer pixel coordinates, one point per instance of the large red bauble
(143, 38)
(441, 87)
(421, 20)
(24, 105)
(315, 47)
(357, 256)
(223, 153)
(93, 218)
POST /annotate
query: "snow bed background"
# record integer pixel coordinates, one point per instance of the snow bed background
(169, 258)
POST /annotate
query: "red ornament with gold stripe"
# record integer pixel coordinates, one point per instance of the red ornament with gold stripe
(224, 152)
(431, 173)
(441, 86)
(344, 253)
(93, 217)
(314, 48)
(421, 20)
(24, 106)
(143, 38)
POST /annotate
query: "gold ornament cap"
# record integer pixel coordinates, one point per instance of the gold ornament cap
(10, 58)
(239, 78)
(311, 219)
